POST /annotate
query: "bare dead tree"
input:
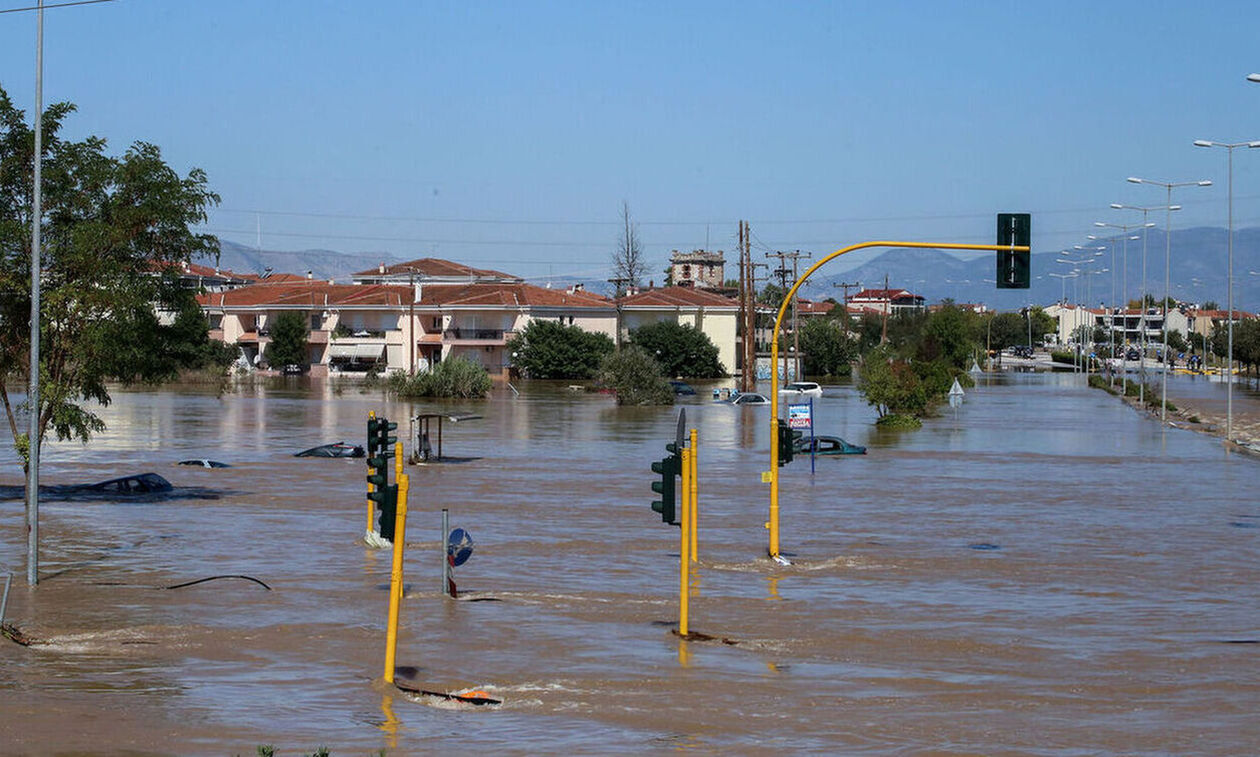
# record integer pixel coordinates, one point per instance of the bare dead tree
(628, 263)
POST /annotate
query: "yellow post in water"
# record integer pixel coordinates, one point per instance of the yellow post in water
(684, 559)
(773, 474)
(398, 461)
(695, 493)
(371, 505)
(396, 578)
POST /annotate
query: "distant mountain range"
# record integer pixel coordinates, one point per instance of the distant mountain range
(1198, 271)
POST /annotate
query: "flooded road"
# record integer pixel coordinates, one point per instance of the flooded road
(1043, 572)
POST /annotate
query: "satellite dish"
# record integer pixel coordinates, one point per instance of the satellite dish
(459, 546)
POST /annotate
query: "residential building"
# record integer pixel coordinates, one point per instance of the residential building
(713, 314)
(884, 301)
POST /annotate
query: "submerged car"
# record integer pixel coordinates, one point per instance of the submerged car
(336, 449)
(802, 389)
(748, 398)
(144, 483)
(204, 463)
(681, 387)
(826, 445)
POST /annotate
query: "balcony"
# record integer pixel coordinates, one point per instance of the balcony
(476, 336)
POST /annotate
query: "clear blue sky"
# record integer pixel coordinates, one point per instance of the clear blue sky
(507, 134)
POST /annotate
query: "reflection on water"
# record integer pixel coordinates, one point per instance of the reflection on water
(1047, 556)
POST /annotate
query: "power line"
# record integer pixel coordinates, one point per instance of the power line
(56, 5)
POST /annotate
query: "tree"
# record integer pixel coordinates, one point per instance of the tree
(1006, 330)
(680, 350)
(288, 340)
(891, 385)
(1210, 305)
(628, 263)
(550, 350)
(635, 377)
(949, 335)
(828, 349)
(114, 231)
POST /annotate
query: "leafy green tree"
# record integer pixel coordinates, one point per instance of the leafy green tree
(1210, 305)
(1176, 341)
(679, 350)
(771, 294)
(288, 340)
(1006, 330)
(828, 349)
(891, 385)
(949, 335)
(550, 350)
(114, 230)
(635, 377)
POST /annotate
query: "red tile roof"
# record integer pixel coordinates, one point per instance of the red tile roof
(309, 293)
(677, 297)
(511, 295)
(437, 267)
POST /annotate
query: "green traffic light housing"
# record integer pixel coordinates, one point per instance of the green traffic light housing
(386, 499)
(1014, 268)
(668, 468)
(786, 447)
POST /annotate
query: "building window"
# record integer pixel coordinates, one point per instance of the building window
(686, 271)
(315, 322)
(437, 324)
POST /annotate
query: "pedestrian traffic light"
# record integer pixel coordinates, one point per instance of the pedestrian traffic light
(786, 443)
(669, 468)
(386, 499)
(1013, 267)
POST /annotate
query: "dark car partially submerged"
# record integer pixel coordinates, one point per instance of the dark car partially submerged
(144, 483)
(826, 445)
(337, 449)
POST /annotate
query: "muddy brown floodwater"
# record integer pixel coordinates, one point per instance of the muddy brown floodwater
(1043, 572)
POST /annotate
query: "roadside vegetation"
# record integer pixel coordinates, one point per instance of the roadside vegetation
(681, 351)
(115, 232)
(455, 377)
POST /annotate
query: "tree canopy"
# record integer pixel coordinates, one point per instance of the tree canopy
(288, 340)
(680, 350)
(115, 231)
(550, 350)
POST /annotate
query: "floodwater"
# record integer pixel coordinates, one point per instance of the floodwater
(1044, 571)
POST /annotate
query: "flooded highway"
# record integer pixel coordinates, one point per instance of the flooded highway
(1043, 571)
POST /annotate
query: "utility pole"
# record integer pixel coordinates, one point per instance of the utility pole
(783, 272)
(883, 335)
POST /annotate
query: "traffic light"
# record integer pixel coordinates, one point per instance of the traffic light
(386, 499)
(1014, 268)
(373, 428)
(669, 467)
(786, 443)
(380, 438)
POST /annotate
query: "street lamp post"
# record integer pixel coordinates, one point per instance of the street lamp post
(1142, 293)
(1168, 185)
(1229, 280)
(1124, 278)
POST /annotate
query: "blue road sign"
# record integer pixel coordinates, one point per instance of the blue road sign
(459, 546)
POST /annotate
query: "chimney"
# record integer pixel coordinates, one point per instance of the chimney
(310, 275)
(381, 269)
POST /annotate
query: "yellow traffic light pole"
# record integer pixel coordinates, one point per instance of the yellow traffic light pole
(684, 558)
(695, 492)
(396, 577)
(773, 523)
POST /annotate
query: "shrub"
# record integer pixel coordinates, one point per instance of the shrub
(636, 378)
(679, 350)
(455, 377)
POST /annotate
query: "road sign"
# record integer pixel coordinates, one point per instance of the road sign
(1013, 268)
(459, 546)
(956, 394)
(800, 416)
